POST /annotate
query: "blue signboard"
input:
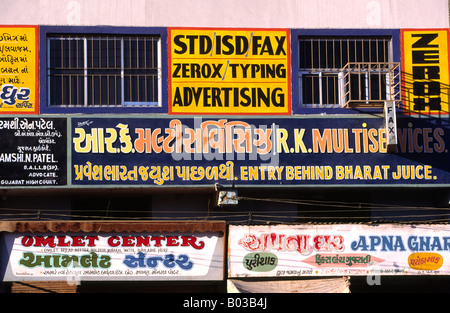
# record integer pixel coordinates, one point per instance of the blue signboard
(303, 151)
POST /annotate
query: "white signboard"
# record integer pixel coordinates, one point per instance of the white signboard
(390, 125)
(335, 250)
(98, 256)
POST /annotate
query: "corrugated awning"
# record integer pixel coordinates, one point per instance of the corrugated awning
(313, 285)
(112, 226)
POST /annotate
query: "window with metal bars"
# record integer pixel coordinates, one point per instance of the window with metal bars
(338, 72)
(97, 71)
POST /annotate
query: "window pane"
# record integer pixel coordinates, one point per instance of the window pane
(66, 89)
(103, 71)
(310, 84)
(141, 71)
(330, 90)
(140, 89)
(378, 87)
(65, 71)
(103, 53)
(357, 87)
(305, 54)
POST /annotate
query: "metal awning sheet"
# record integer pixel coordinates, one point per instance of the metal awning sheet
(112, 226)
(322, 285)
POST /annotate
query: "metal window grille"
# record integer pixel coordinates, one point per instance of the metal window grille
(338, 72)
(104, 71)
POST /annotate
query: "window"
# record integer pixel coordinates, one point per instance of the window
(104, 71)
(342, 72)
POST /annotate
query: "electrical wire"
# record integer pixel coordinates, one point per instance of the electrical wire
(341, 204)
(379, 211)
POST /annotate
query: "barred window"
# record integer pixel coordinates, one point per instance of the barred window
(114, 71)
(340, 72)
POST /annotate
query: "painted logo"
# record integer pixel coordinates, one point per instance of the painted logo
(10, 94)
(260, 262)
(426, 261)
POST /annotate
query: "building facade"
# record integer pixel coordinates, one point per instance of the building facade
(194, 145)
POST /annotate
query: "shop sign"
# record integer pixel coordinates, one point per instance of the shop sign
(295, 151)
(426, 70)
(335, 250)
(33, 152)
(19, 69)
(128, 256)
(229, 71)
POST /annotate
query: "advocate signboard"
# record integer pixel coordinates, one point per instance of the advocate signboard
(336, 250)
(33, 152)
(115, 256)
(19, 77)
(229, 71)
(279, 152)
